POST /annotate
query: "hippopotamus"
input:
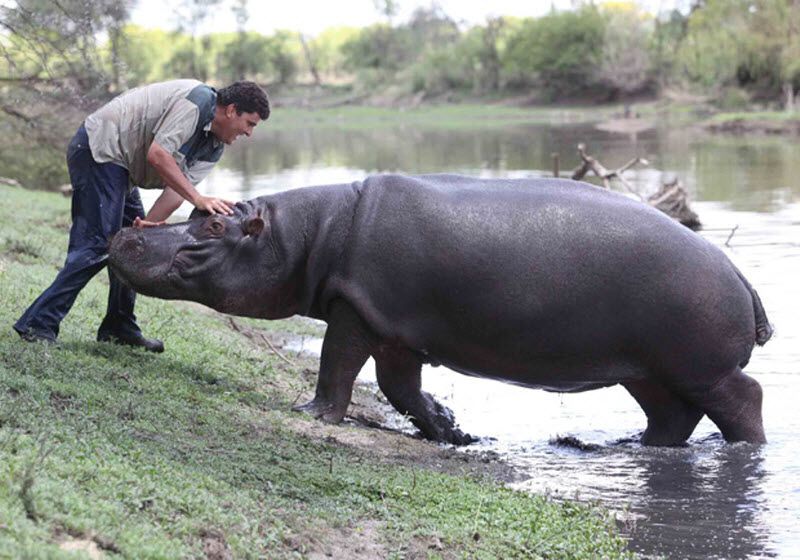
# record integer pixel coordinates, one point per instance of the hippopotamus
(543, 283)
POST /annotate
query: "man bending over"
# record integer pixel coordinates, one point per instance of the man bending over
(168, 136)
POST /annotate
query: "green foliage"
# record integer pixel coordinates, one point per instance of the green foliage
(733, 99)
(441, 70)
(191, 58)
(387, 49)
(556, 52)
(151, 456)
(669, 31)
(742, 43)
(61, 60)
(143, 55)
(245, 56)
(378, 47)
(282, 52)
(327, 49)
(712, 50)
(625, 65)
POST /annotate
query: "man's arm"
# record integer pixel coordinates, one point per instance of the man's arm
(173, 178)
(164, 206)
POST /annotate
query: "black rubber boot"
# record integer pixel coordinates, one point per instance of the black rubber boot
(137, 340)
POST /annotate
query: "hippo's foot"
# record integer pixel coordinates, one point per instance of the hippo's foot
(322, 409)
(398, 372)
(671, 419)
(734, 405)
(436, 422)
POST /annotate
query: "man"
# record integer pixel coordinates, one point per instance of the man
(166, 135)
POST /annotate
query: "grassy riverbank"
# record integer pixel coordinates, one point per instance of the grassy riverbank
(758, 122)
(194, 453)
(443, 117)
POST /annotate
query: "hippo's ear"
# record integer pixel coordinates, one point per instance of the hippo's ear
(253, 225)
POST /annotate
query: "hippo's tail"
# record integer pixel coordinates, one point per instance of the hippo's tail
(763, 329)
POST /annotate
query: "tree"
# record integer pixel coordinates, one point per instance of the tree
(244, 57)
(624, 64)
(327, 49)
(555, 51)
(52, 72)
(378, 47)
(712, 50)
(670, 30)
(387, 8)
(282, 51)
(142, 54)
(775, 37)
(192, 60)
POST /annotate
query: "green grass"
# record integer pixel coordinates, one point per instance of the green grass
(776, 116)
(159, 456)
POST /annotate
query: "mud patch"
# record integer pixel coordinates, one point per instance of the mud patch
(359, 542)
(574, 443)
(86, 546)
(625, 126)
(373, 428)
(215, 547)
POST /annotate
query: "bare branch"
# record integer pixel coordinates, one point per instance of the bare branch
(672, 198)
(727, 241)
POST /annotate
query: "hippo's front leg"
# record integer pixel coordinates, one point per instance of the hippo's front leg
(345, 349)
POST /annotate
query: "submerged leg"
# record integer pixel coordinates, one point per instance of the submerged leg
(345, 349)
(734, 405)
(398, 373)
(670, 419)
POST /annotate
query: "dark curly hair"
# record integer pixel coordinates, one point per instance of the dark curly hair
(248, 97)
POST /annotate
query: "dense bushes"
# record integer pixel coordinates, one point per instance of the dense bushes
(608, 49)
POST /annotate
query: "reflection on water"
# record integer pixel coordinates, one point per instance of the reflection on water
(751, 173)
(708, 500)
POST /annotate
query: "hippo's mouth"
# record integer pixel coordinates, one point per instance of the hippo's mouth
(190, 260)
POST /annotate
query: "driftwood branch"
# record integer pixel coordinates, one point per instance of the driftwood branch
(672, 198)
(733, 231)
(592, 164)
(252, 333)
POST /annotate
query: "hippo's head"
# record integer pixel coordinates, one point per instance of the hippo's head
(230, 263)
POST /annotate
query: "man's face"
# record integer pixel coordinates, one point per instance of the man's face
(232, 125)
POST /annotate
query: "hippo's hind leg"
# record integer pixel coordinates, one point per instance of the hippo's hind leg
(398, 371)
(733, 403)
(345, 349)
(670, 419)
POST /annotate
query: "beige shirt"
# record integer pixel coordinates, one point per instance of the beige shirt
(175, 114)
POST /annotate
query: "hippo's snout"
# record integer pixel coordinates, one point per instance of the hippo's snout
(142, 258)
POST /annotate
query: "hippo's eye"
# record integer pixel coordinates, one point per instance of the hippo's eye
(216, 227)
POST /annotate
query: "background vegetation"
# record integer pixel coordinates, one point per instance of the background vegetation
(61, 59)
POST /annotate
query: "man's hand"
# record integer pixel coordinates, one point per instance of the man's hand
(173, 177)
(141, 224)
(213, 205)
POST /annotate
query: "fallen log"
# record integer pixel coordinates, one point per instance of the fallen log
(672, 198)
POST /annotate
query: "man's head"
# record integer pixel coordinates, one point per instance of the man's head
(240, 107)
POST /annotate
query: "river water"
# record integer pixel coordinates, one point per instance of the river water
(706, 500)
